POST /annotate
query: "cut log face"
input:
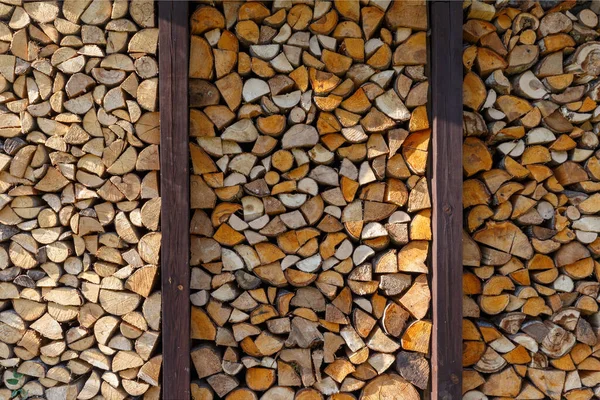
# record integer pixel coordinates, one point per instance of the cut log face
(311, 212)
(79, 200)
(530, 194)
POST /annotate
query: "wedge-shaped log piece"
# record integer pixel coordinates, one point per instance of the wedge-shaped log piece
(391, 105)
(506, 237)
(551, 383)
(413, 51)
(388, 385)
(300, 136)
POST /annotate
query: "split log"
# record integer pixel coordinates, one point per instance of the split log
(310, 233)
(530, 98)
(79, 203)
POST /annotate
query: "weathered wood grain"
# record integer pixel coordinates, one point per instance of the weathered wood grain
(446, 184)
(173, 56)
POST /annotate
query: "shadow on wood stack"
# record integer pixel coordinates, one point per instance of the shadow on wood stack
(532, 177)
(311, 224)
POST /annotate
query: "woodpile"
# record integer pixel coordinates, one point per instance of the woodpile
(311, 208)
(532, 200)
(79, 200)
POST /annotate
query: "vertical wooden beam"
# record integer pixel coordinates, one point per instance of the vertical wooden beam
(446, 98)
(175, 191)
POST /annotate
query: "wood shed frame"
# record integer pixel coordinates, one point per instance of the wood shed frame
(446, 182)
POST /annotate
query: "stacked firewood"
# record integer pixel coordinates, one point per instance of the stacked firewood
(79, 200)
(311, 223)
(532, 200)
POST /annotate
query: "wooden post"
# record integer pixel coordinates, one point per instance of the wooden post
(446, 98)
(175, 191)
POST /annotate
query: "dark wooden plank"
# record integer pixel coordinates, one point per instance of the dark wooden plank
(175, 190)
(446, 99)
